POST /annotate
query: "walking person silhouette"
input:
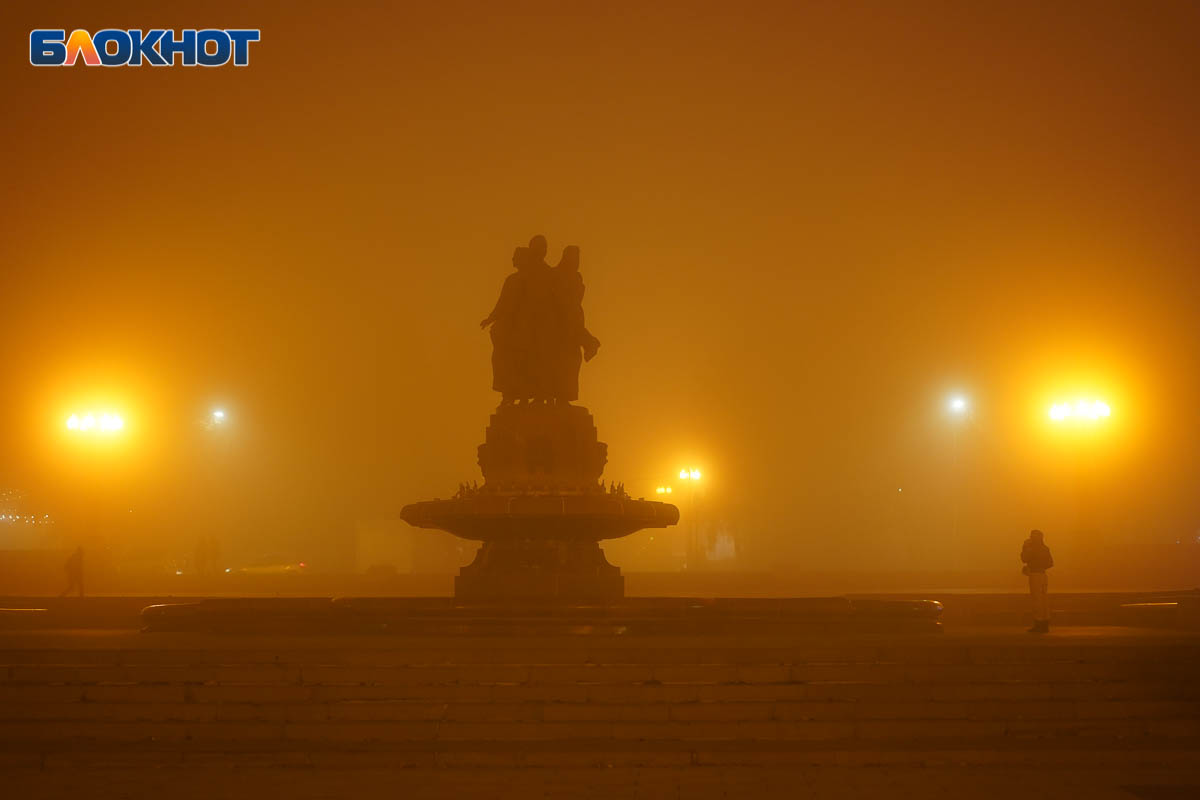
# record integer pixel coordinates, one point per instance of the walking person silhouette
(1036, 556)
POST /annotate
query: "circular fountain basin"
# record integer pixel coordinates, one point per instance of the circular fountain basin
(490, 516)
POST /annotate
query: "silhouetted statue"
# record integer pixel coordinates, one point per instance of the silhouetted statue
(574, 343)
(540, 313)
(537, 326)
(511, 335)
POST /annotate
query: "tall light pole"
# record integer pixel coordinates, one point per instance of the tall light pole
(208, 548)
(1084, 414)
(959, 408)
(692, 475)
(94, 425)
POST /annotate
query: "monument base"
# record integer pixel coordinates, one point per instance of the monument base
(541, 512)
(561, 571)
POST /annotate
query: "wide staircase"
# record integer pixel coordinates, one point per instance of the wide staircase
(120, 698)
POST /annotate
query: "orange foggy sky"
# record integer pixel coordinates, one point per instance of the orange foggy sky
(802, 226)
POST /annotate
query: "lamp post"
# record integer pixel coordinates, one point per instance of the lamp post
(692, 475)
(208, 559)
(959, 409)
(1085, 415)
(93, 425)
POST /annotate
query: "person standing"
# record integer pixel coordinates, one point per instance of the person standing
(74, 569)
(1036, 556)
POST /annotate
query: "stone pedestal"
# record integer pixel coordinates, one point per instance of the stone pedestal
(559, 569)
(542, 447)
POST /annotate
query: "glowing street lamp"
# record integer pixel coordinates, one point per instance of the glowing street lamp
(95, 422)
(1082, 410)
(663, 490)
(958, 405)
(216, 419)
(689, 474)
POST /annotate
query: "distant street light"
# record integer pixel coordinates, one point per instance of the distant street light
(217, 418)
(959, 405)
(663, 490)
(689, 474)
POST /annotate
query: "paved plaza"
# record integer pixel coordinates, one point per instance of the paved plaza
(1096, 712)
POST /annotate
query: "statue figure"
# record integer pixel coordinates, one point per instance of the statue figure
(575, 343)
(540, 315)
(537, 328)
(510, 336)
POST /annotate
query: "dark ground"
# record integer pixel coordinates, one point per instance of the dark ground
(974, 712)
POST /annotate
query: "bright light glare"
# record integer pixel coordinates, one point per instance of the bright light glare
(219, 415)
(958, 405)
(90, 421)
(663, 490)
(689, 474)
(683, 474)
(1081, 409)
(695, 474)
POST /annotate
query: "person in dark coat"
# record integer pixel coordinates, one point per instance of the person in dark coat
(1036, 556)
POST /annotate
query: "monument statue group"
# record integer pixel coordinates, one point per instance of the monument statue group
(539, 339)
(542, 509)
